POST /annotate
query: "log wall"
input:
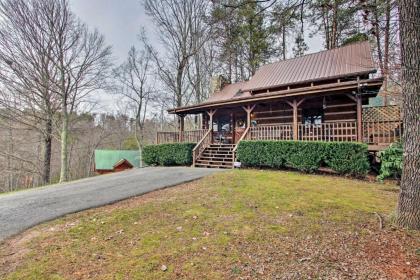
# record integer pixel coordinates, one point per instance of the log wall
(337, 108)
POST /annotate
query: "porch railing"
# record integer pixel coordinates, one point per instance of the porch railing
(244, 136)
(204, 142)
(373, 133)
(334, 131)
(382, 132)
(163, 137)
(271, 132)
(192, 136)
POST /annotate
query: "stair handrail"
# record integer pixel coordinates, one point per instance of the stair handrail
(201, 145)
(243, 136)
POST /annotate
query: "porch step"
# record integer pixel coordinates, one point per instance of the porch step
(217, 153)
(216, 156)
(213, 166)
(212, 161)
(221, 146)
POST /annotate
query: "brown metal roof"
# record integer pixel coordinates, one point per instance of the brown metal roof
(230, 91)
(345, 61)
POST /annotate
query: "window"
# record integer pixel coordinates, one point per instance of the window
(312, 116)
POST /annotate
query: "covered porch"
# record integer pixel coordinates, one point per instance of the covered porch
(310, 118)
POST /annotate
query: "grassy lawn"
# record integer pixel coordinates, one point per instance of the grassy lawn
(245, 224)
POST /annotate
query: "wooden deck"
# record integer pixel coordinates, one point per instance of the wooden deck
(377, 134)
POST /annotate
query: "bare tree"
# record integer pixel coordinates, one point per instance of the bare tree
(135, 79)
(82, 60)
(203, 67)
(182, 34)
(50, 62)
(27, 70)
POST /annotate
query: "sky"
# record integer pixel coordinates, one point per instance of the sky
(120, 21)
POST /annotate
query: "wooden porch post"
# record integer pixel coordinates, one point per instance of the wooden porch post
(359, 119)
(358, 100)
(248, 109)
(295, 120)
(233, 128)
(203, 121)
(211, 114)
(181, 126)
(295, 105)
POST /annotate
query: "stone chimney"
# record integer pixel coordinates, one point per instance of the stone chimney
(217, 84)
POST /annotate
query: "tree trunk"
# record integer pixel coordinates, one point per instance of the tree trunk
(334, 35)
(284, 40)
(64, 147)
(140, 141)
(325, 20)
(408, 210)
(141, 165)
(46, 170)
(10, 148)
(386, 50)
(378, 36)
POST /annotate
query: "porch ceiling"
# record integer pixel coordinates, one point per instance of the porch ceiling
(370, 88)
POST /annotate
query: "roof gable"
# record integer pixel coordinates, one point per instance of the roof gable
(344, 61)
(123, 162)
(108, 159)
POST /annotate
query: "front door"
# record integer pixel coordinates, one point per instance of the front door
(229, 127)
(222, 129)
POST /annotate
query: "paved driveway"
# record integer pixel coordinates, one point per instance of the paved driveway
(24, 209)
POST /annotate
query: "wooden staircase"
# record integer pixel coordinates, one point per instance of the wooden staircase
(216, 156)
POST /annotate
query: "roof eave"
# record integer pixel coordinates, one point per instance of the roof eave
(370, 71)
(274, 95)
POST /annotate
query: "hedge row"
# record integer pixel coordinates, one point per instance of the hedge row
(168, 154)
(342, 157)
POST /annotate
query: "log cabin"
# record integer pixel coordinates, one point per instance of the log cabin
(316, 97)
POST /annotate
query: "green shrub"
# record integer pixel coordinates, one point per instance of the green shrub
(347, 158)
(168, 154)
(391, 162)
(343, 157)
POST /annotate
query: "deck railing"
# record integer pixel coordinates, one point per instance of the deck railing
(334, 131)
(192, 136)
(373, 133)
(271, 132)
(204, 142)
(245, 136)
(163, 137)
(382, 132)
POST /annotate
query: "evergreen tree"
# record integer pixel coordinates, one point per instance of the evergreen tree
(244, 37)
